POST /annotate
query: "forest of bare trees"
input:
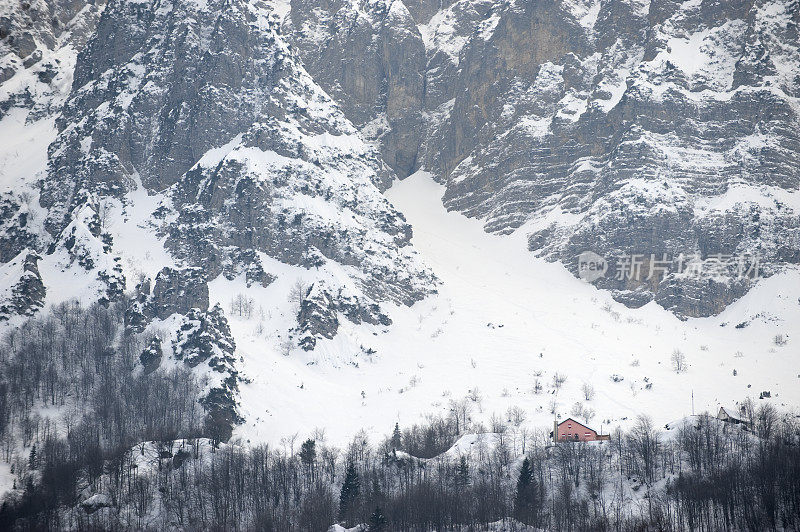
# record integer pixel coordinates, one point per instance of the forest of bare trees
(126, 449)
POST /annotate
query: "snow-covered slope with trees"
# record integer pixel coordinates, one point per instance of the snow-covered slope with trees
(286, 218)
(503, 329)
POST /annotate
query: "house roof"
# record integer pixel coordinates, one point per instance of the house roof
(732, 413)
(576, 422)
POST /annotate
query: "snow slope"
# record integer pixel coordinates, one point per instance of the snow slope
(503, 319)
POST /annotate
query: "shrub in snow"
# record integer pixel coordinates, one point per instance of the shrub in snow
(474, 395)
(286, 347)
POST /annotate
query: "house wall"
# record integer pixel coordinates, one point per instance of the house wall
(568, 429)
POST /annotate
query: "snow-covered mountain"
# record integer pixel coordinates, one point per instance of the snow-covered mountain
(228, 171)
(194, 146)
(622, 128)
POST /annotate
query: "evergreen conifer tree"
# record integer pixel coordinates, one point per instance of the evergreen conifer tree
(396, 437)
(350, 491)
(462, 475)
(525, 492)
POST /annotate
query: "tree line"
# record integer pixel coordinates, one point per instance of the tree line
(72, 403)
(77, 420)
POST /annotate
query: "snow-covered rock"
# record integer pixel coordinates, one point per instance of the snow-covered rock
(22, 292)
(204, 337)
(85, 249)
(594, 126)
(96, 502)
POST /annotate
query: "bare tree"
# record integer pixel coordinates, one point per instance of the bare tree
(516, 415)
(286, 347)
(588, 391)
(644, 443)
(678, 360)
(582, 412)
(242, 306)
(297, 293)
(460, 411)
(498, 426)
(104, 213)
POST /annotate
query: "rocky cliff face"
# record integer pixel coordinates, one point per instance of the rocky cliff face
(38, 42)
(639, 128)
(211, 107)
(205, 115)
(624, 128)
(370, 57)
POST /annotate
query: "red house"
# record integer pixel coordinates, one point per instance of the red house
(571, 430)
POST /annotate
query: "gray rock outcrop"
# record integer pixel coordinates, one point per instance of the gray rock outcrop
(204, 337)
(34, 35)
(317, 317)
(241, 143)
(25, 293)
(151, 355)
(15, 231)
(617, 127)
(369, 56)
(177, 291)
